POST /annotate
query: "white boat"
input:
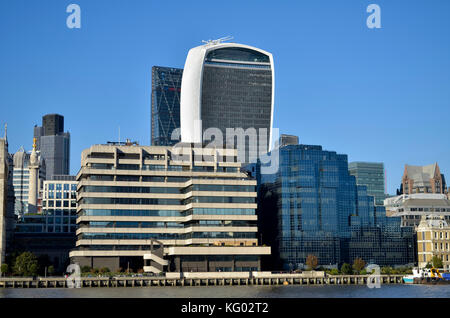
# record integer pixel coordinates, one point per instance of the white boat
(417, 273)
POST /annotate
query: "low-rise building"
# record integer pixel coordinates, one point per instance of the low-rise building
(52, 231)
(433, 239)
(412, 207)
(162, 208)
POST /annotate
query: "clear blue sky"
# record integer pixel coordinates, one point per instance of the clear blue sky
(378, 95)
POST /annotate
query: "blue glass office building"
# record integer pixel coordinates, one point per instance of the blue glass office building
(166, 89)
(320, 210)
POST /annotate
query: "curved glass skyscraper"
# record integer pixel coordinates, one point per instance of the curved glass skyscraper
(228, 86)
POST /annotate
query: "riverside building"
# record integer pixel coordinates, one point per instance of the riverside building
(7, 219)
(51, 233)
(165, 209)
(433, 239)
(312, 205)
(228, 86)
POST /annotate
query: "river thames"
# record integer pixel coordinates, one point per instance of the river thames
(386, 291)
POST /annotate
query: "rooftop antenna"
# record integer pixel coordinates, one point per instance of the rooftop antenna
(119, 135)
(218, 41)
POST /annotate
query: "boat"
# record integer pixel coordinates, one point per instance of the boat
(427, 276)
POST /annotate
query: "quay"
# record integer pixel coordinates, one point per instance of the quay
(201, 279)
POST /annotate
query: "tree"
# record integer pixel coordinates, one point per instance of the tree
(26, 264)
(358, 264)
(4, 269)
(346, 269)
(311, 261)
(85, 269)
(51, 270)
(334, 271)
(428, 265)
(437, 262)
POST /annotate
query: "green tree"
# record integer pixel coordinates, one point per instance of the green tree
(311, 261)
(437, 262)
(85, 269)
(51, 270)
(428, 265)
(346, 269)
(359, 264)
(26, 264)
(334, 271)
(4, 269)
(387, 270)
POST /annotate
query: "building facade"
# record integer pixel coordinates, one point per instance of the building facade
(166, 89)
(7, 219)
(412, 207)
(423, 179)
(21, 180)
(228, 86)
(371, 175)
(54, 145)
(320, 210)
(433, 239)
(52, 232)
(165, 209)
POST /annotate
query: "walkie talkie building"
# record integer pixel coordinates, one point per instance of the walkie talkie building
(228, 85)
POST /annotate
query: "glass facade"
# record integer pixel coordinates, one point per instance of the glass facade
(237, 93)
(371, 175)
(322, 211)
(166, 88)
(59, 210)
(54, 145)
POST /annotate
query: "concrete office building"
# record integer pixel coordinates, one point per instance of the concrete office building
(228, 86)
(165, 209)
(371, 175)
(412, 207)
(433, 239)
(166, 88)
(54, 145)
(52, 232)
(422, 179)
(21, 180)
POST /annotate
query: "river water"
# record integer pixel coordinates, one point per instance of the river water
(386, 291)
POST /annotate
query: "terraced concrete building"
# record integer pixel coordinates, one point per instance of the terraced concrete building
(165, 208)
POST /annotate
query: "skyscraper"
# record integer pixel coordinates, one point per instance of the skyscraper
(228, 85)
(371, 175)
(166, 88)
(54, 145)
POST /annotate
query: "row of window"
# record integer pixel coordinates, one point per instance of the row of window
(164, 236)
